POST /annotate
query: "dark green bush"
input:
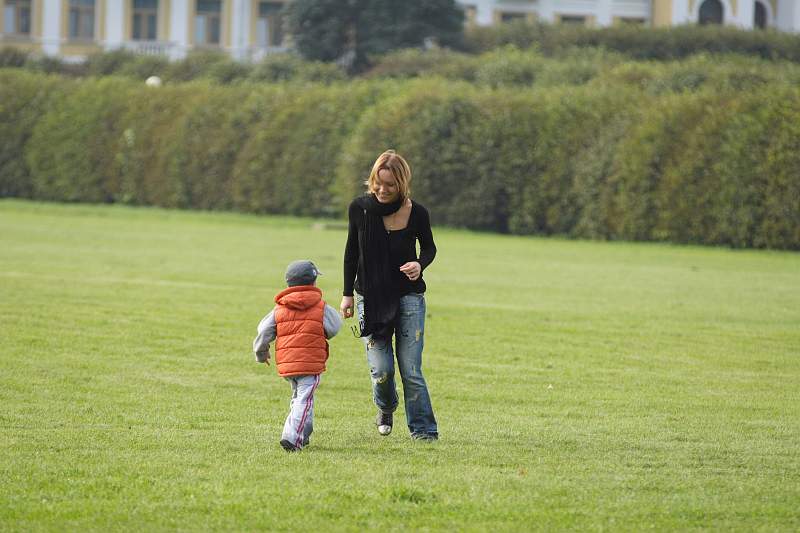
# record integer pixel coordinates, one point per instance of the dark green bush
(638, 42)
(143, 66)
(632, 205)
(149, 127)
(688, 187)
(781, 225)
(24, 99)
(291, 67)
(46, 64)
(227, 72)
(107, 63)
(409, 122)
(701, 71)
(288, 164)
(12, 57)
(72, 149)
(207, 140)
(416, 62)
(713, 165)
(195, 65)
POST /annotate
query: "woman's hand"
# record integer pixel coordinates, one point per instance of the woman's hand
(346, 307)
(412, 270)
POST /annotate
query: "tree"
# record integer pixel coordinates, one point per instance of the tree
(350, 31)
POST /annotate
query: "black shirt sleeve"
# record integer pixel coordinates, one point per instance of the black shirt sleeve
(427, 248)
(351, 249)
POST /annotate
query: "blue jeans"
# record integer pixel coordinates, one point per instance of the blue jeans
(409, 340)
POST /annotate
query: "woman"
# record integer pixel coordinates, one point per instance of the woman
(381, 264)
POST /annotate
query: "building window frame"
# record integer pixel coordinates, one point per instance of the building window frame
(269, 24)
(710, 12)
(630, 21)
(81, 25)
(577, 20)
(144, 20)
(18, 18)
(761, 19)
(505, 17)
(207, 23)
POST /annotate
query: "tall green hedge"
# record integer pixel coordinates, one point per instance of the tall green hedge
(72, 150)
(713, 165)
(24, 99)
(638, 42)
(289, 159)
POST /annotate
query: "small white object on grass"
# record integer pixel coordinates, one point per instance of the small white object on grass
(153, 81)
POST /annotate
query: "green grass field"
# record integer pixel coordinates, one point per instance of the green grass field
(578, 385)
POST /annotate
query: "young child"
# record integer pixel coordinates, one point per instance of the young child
(301, 324)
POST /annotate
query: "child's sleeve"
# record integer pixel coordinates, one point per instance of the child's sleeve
(267, 330)
(331, 321)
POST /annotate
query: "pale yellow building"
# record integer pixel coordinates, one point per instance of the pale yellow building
(249, 29)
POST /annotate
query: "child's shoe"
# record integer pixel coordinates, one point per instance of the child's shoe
(289, 447)
(384, 422)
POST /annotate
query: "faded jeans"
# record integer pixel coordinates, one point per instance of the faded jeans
(409, 340)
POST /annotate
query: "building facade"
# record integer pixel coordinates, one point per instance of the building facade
(250, 29)
(246, 29)
(750, 14)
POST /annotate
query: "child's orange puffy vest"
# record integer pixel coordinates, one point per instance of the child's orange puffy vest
(300, 347)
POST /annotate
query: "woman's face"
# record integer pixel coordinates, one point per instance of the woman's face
(386, 189)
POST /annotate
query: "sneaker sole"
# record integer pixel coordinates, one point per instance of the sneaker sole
(289, 447)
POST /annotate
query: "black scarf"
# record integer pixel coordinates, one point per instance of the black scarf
(381, 299)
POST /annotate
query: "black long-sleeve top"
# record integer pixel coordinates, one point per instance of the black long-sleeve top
(402, 249)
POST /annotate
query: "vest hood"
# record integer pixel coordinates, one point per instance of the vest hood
(299, 297)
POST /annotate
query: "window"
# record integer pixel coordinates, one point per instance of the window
(511, 17)
(207, 22)
(269, 27)
(573, 19)
(145, 20)
(711, 12)
(632, 21)
(760, 16)
(81, 19)
(17, 17)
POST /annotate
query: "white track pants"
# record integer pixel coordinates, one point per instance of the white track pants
(300, 422)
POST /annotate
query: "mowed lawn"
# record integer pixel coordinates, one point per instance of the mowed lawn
(578, 385)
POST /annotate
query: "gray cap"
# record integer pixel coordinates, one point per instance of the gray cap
(302, 272)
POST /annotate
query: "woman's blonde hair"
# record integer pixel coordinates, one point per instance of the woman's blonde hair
(399, 168)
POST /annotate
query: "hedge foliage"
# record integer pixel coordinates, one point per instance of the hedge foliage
(576, 54)
(205, 65)
(24, 99)
(612, 158)
(638, 42)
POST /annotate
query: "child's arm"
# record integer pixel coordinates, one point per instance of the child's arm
(331, 321)
(267, 330)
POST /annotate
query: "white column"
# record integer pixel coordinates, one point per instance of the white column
(115, 22)
(788, 17)
(51, 27)
(604, 13)
(239, 25)
(746, 10)
(484, 12)
(784, 14)
(680, 12)
(546, 11)
(179, 29)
